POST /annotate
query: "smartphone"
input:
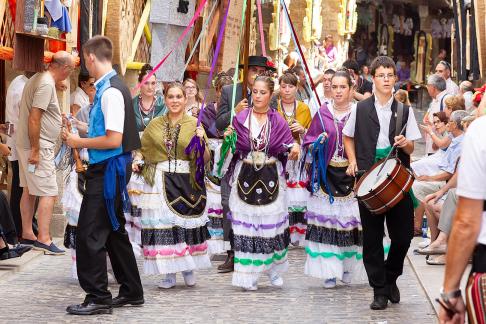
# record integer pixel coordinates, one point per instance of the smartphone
(31, 168)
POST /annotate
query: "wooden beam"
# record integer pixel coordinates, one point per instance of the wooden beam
(141, 26)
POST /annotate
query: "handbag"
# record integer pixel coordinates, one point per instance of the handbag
(258, 187)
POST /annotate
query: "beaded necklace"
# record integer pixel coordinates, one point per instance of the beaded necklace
(260, 145)
(170, 140)
(144, 113)
(339, 140)
(289, 118)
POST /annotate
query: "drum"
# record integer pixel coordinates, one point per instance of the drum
(379, 193)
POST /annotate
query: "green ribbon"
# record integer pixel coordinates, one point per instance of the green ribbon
(229, 142)
(340, 256)
(383, 153)
(296, 209)
(275, 257)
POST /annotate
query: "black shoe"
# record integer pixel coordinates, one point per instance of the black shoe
(15, 252)
(122, 301)
(228, 265)
(379, 302)
(89, 309)
(394, 294)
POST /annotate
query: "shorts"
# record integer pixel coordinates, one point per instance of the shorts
(42, 182)
(423, 188)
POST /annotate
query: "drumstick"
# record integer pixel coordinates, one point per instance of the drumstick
(389, 153)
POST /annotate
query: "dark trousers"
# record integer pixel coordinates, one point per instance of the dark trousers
(399, 221)
(95, 237)
(6, 222)
(227, 226)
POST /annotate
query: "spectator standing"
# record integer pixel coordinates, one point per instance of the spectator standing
(363, 87)
(39, 128)
(326, 84)
(12, 111)
(443, 69)
(436, 87)
(365, 73)
(331, 52)
(80, 97)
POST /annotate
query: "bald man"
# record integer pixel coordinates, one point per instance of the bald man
(39, 127)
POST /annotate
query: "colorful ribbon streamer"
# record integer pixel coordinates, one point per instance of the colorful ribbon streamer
(196, 144)
(260, 24)
(198, 40)
(177, 43)
(230, 141)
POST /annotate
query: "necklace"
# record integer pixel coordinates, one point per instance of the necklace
(144, 113)
(171, 139)
(290, 118)
(260, 145)
(339, 139)
(260, 113)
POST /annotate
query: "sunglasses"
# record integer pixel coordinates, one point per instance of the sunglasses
(446, 64)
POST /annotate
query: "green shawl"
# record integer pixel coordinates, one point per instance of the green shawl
(153, 145)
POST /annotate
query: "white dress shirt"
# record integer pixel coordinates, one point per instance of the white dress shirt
(384, 113)
(12, 109)
(451, 87)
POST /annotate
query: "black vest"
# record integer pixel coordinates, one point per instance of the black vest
(367, 129)
(131, 139)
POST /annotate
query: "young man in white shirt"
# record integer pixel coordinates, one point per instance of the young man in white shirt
(112, 136)
(371, 129)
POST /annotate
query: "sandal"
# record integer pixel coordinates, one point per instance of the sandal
(438, 260)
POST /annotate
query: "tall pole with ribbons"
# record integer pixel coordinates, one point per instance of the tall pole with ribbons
(246, 51)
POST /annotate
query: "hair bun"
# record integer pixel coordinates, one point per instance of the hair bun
(146, 68)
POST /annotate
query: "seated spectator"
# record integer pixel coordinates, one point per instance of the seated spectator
(453, 103)
(402, 96)
(466, 90)
(436, 87)
(427, 184)
(429, 165)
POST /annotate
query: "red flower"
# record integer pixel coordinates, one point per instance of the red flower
(270, 64)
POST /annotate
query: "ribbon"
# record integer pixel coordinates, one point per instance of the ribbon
(319, 165)
(176, 44)
(260, 24)
(201, 34)
(229, 142)
(196, 145)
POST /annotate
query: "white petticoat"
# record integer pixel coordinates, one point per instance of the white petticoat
(247, 221)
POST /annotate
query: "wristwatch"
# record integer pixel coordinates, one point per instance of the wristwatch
(447, 296)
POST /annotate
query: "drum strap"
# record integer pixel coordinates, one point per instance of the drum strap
(400, 112)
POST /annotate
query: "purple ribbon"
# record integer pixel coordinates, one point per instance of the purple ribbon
(256, 227)
(215, 211)
(196, 143)
(198, 146)
(332, 220)
(215, 60)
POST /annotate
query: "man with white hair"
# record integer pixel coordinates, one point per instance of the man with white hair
(443, 69)
(436, 87)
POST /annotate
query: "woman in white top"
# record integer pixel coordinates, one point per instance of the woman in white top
(80, 96)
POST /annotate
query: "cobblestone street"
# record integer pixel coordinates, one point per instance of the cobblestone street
(40, 292)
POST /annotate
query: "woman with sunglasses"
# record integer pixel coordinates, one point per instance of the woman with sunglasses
(148, 104)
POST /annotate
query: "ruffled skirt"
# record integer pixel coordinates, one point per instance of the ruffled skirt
(171, 242)
(297, 197)
(334, 238)
(261, 235)
(216, 243)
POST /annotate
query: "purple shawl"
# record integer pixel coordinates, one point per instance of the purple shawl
(208, 120)
(280, 134)
(315, 130)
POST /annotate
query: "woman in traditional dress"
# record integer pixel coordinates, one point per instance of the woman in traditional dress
(258, 192)
(173, 204)
(148, 104)
(213, 182)
(298, 116)
(194, 98)
(334, 234)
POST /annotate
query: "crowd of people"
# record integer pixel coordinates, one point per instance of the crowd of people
(169, 178)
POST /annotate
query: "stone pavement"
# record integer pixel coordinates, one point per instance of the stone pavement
(42, 289)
